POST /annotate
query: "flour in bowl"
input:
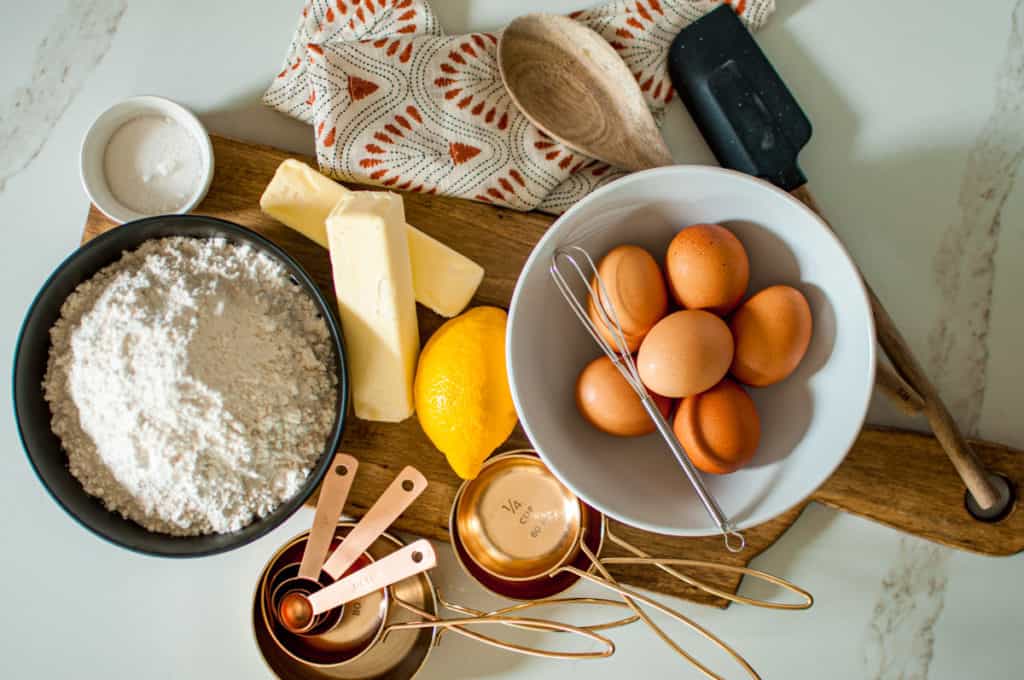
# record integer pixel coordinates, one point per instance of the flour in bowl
(192, 385)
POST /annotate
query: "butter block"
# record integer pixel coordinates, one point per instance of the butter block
(302, 198)
(366, 236)
(444, 280)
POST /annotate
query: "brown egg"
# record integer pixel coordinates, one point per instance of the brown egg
(772, 331)
(685, 353)
(608, 403)
(636, 293)
(707, 268)
(719, 429)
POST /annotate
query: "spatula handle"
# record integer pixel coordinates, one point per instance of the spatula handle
(909, 369)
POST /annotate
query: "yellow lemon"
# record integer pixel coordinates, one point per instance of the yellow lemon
(462, 397)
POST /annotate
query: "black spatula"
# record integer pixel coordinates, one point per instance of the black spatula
(745, 112)
(753, 124)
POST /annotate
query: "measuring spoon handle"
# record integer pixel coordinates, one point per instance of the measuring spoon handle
(333, 493)
(406, 488)
(413, 559)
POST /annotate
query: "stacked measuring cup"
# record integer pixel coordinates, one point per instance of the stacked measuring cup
(349, 600)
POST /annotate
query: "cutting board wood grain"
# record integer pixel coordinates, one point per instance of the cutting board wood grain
(898, 478)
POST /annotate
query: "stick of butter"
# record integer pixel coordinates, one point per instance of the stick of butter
(300, 197)
(366, 235)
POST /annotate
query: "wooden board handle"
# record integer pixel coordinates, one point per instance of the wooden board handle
(909, 369)
(898, 478)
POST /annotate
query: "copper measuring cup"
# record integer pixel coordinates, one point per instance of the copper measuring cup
(400, 656)
(356, 625)
(289, 597)
(371, 623)
(513, 528)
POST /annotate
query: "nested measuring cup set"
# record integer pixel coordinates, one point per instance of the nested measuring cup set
(350, 600)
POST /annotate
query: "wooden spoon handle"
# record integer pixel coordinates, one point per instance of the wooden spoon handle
(889, 383)
(910, 370)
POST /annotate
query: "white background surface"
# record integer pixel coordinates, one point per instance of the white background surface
(899, 94)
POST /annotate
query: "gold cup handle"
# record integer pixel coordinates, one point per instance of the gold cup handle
(458, 626)
(806, 599)
(631, 598)
(558, 601)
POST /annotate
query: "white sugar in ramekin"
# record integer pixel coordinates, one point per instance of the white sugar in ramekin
(94, 146)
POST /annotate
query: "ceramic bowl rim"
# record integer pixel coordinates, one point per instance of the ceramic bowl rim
(554, 233)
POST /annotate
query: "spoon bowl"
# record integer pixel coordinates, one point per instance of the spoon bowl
(569, 82)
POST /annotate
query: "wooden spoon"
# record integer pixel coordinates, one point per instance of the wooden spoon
(569, 82)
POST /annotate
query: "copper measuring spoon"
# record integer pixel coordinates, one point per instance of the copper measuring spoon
(333, 493)
(406, 488)
(366, 632)
(297, 611)
(358, 628)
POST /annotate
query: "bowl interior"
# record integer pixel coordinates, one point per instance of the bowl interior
(808, 421)
(33, 413)
(516, 520)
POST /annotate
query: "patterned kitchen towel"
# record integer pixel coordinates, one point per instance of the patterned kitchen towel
(396, 103)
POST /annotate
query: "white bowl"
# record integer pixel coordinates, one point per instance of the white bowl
(94, 146)
(808, 421)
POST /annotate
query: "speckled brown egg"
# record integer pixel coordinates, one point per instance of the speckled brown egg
(608, 403)
(719, 429)
(685, 353)
(772, 331)
(635, 291)
(707, 268)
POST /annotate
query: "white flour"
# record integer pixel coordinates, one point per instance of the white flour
(190, 384)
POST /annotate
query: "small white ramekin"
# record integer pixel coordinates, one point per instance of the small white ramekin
(94, 146)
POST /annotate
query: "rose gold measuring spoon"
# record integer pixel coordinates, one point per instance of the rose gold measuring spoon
(329, 506)
(406, 488)
(333, 493)
(297, 611)
(399, 495)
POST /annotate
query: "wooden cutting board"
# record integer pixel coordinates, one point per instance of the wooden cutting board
(898, 478)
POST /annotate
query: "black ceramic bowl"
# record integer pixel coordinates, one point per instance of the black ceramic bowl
(33, 413)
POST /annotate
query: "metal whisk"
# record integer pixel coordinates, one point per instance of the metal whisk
(623, 360)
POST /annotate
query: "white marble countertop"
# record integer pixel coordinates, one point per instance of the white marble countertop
(918, 110)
